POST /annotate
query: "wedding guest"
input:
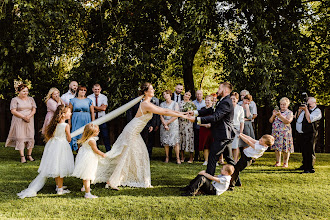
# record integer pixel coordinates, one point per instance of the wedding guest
(308, 122)
(21, 133)
(100, 104)
(82, 113)
(238, 123)
(186, 128)
(248, 128)
(169, 131)
(205, 134)
(177, 96)
(214, 99)
(199, 103)
(73, 86)
(52, 100)
(282, 132)
(253, 105)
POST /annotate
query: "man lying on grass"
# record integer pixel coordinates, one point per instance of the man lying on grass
(205, 183)
(255, 150)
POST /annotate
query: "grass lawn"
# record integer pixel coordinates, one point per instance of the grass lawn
(267, 193)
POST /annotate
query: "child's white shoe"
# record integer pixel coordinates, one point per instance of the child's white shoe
(107, 186)
(205, 163)
(63, 187)
(61, 191)
(217, 164)
(90, 196)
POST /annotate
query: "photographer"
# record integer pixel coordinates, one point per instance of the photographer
(308, 118)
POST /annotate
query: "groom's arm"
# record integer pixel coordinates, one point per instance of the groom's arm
(223, 109)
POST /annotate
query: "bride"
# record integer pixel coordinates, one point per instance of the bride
(127, 163)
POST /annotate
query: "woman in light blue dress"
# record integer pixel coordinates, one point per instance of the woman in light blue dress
(82, 113)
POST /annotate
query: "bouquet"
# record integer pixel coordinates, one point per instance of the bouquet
(189, 106)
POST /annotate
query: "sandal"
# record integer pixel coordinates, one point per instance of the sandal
(277, 164)
(24, 159)
(30, 158)
(178, 161)
(166, 160)
(285, 165)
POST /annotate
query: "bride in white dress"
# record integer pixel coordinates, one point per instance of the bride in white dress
(127, 163)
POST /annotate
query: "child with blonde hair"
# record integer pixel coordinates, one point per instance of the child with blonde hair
(87, 158)
(57, 160)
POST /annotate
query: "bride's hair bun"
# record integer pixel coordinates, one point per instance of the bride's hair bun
(144, 87)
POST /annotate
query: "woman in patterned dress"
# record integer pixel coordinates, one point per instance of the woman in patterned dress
(282, 132)
(186, 130)
(169, 131)
(21, 133)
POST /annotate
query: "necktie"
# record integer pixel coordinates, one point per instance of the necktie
(96, 114)
(177, 98)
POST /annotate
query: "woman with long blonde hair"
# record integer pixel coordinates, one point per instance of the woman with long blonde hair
(52, 101)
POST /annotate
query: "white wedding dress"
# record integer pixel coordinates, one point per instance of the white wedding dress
(127, 163)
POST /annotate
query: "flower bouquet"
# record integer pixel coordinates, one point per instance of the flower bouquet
(189, 106)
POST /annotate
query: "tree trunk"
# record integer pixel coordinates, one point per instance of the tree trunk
(187, 67)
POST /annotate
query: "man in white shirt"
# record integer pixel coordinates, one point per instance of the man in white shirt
(308, 118)
(200, 103)
(100, 103)
(253, 105)
(73, 86)
(254, 151)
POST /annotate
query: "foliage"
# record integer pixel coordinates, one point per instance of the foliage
(267, 193)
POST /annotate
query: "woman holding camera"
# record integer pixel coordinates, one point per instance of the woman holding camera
(282, 132)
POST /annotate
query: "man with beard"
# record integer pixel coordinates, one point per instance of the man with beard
(221, 119)
(73, 86)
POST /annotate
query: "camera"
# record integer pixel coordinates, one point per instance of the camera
(304, 98)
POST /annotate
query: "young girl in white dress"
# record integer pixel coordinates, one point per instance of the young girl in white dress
(87, 158)
(57, 159)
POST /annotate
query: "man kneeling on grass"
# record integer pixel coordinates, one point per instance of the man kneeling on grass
(255, 150)
(205, 183)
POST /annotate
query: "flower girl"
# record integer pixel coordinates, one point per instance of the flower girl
(87, 158)
(57, 159)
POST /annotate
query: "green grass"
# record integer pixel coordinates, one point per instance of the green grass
(267, 193)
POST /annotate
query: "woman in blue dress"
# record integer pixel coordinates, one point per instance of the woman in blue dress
(82, 113)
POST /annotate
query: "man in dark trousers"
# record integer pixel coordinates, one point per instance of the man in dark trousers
(308, 120)
(221, 119)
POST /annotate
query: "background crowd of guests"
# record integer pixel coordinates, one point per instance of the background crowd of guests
(175, 133)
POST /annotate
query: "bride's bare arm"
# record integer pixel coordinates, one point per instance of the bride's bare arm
(161, 111)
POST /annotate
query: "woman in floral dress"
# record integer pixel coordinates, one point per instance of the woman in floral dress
(186, 128)
(282, 132)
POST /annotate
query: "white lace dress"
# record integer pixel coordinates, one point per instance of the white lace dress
(127, 163)
(57, 161)
(172, 136)
(86, 162)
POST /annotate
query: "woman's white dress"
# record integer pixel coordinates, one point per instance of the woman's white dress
(57, 161)
(127, 163)
(86, 162)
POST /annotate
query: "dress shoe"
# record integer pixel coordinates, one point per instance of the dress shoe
(308, 171)
(187, 194)
(186, 188)
(230, 188)
(300, 168)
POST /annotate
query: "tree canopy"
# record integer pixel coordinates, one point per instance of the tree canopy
(271, 48)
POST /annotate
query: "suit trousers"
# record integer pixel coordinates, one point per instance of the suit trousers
(216, 148)
(202, 184)
(307, 142)
(196, 143)
(243, 162)
(104, 133)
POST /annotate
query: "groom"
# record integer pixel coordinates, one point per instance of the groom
(221, 119)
